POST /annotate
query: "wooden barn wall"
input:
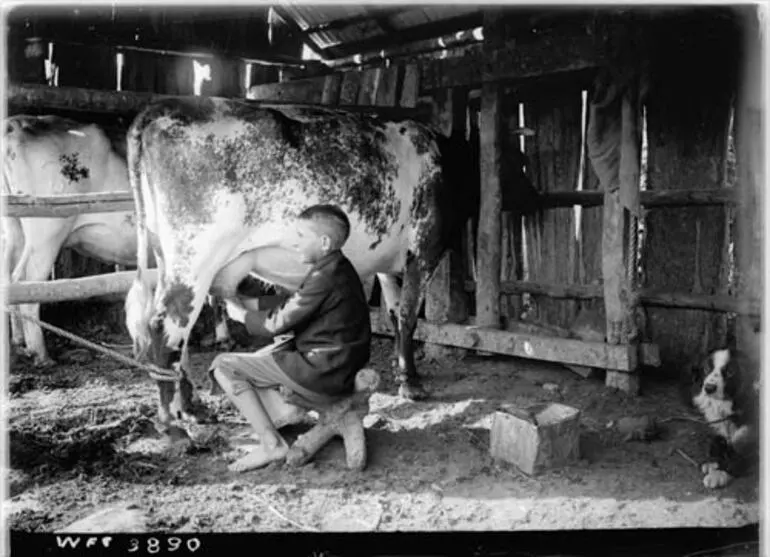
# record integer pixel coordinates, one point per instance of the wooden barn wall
(687, 121)
(589, 268)
(554, 164)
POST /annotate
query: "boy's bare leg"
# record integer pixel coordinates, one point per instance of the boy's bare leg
(272, 446)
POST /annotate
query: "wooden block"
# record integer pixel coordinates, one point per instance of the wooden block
(351, 82)
(411, 87)
(626, 382)
(386, 92)
(369, 83)
(585, 372)
(331, 91)
(538, 438)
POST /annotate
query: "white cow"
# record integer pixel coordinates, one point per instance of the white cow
(50, 155)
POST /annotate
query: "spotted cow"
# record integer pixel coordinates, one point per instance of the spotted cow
(217, 183)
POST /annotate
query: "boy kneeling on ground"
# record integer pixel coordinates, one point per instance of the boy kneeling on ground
(329, 316)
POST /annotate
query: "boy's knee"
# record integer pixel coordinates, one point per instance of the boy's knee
(222, 361)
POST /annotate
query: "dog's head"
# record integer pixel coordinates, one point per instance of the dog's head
(718, 376)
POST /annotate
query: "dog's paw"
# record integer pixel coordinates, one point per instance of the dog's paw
(716, 478)
(709, 467)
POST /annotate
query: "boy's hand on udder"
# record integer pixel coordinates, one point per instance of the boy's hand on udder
(235, 310)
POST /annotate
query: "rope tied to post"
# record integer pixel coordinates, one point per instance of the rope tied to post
(155, 372)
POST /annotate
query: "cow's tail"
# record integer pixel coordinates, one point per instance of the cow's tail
(139, 299)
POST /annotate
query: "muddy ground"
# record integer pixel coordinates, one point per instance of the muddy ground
(81, 439)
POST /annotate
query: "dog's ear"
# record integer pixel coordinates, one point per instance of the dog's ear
(691, 378)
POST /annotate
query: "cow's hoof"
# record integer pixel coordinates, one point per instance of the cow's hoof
(412, 392)
(43, 363)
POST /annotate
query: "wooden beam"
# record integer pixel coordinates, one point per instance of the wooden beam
(376, 11)
(645, 296)
(547, 348)
(406, 35)
(514, 61)
(66, 205)
(42, 97)
(73, 289)
(650, 198)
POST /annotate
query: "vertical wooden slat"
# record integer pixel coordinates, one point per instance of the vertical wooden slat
(687, 116)
(488, 243)
(411, 86)
(351, 82)
(555, 163)
(387, 91)
(369, 84)
(446, 299)
(751, 151)
(331, 90)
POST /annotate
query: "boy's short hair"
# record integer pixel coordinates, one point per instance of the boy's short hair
(332, 218)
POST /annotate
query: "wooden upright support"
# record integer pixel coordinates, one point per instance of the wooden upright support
(488, 236)
(750, 150)
(446, 300)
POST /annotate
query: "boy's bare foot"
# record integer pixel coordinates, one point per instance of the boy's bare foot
(260, 456)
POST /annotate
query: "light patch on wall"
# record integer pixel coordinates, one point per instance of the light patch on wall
(308, 54)
(247, 77)
(119, 61)
(51, 69)
(201, 74)
(478, 33)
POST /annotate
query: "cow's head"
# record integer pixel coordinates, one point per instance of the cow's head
(148, 326)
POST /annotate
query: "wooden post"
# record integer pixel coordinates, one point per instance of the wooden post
(488, 235)
(446, 300)
(616, 288)
(750, 151)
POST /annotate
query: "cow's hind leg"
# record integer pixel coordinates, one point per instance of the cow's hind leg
(37, 267)
(403, 305)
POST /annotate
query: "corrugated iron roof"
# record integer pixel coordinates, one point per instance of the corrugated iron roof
(340, 29)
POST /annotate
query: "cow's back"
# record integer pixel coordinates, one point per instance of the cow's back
(226, 164)
(50, 155)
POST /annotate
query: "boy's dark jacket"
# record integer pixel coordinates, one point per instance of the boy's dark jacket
(329, 316)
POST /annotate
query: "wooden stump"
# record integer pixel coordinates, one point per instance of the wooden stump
(538, 438)
(344, 419)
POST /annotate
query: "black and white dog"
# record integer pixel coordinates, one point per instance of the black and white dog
(726, 393)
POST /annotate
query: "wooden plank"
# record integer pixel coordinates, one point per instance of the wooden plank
(649, 199)
(554, 164)
(369, 83)
(388, 89)
(410, 88)
(66, 205)
(488, 234)
(73, 289)
(750, 147)
(446, 299)
(41, 98)
(516, 60)
(351, 82)
(331, 90)
(646, 296)
(688, 111)
(616, 287)
(551, 349)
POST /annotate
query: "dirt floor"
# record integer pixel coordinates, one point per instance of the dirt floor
(81, 439)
